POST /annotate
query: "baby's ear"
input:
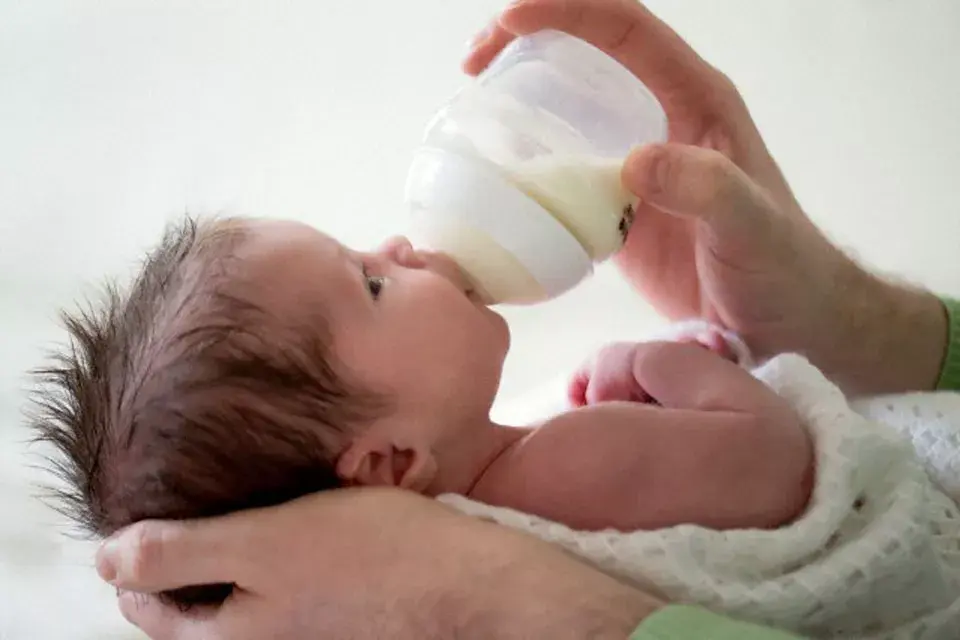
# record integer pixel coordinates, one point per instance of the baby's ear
(374, 461)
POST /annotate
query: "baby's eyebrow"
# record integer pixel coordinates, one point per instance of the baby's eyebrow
(348, 255)
(352, 261)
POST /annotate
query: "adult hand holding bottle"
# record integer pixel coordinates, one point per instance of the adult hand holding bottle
(719, 233)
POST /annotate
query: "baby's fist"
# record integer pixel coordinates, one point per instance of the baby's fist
(607, 376)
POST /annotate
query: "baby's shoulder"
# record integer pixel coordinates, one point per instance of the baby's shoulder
(594, 414)
(576, 431)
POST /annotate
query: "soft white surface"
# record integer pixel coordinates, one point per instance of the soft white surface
(118, 114)
(888, 569)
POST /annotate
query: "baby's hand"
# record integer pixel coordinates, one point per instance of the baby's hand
(609, 375)
(724, 343)
(712, 340)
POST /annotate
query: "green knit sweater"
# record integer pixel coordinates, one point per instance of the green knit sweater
(950, 375)
(680, 622)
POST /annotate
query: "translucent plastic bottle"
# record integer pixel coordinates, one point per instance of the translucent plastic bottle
(518, 177)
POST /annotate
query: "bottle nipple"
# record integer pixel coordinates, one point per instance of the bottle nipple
(511, 247)
(492, 273)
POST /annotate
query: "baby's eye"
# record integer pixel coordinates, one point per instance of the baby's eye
(374, 284)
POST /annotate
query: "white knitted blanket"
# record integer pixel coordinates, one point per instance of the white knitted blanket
(876, 555)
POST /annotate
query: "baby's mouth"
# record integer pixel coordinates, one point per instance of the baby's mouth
(478, 297)
(443, 265)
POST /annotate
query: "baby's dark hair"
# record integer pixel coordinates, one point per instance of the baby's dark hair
(182, 398)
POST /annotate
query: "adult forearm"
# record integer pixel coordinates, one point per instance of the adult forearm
(563, 600)
(893, 337)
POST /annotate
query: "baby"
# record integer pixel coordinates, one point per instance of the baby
(255, 361)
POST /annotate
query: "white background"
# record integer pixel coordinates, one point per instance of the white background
(117, 115)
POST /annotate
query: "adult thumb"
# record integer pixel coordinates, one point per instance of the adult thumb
(698, 183)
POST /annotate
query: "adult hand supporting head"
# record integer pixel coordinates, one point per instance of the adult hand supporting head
(363, 563)
(719, 234)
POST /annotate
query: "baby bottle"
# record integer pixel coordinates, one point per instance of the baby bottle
(518, 176)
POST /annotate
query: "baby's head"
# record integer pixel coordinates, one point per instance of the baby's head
(255, 361)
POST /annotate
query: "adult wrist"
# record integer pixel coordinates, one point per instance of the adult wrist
(585, 606)
(549, 595)
(893, 337)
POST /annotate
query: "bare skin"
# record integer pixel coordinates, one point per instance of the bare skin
(405, 323)
(473, 581)
(720, 234)
(724, 219)
(707, 431)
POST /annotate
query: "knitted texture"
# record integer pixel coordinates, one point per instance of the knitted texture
(679, 622)
(950, 375)
(875, 555)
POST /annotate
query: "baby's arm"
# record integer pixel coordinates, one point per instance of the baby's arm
(712, 336)
(722, 450)
(609, 374)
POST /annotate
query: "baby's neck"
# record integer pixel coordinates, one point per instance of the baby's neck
(463, 462)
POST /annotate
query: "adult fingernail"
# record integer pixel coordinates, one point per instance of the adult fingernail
(636, 172)
(106, 561)
(659, 169)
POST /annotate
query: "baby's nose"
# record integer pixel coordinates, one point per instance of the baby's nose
(398, 249)
(394, 244)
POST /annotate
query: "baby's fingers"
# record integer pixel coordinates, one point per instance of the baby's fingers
(619, 388)
(577, 387)
(612, 379)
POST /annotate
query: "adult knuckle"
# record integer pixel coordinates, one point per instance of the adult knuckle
(727, 88)
(723, 181)
(146, 550)
(667, 165)
(704, 174)
(623, 37)
(719, 170)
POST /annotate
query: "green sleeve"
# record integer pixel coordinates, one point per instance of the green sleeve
(950, 375)
(681, 622)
